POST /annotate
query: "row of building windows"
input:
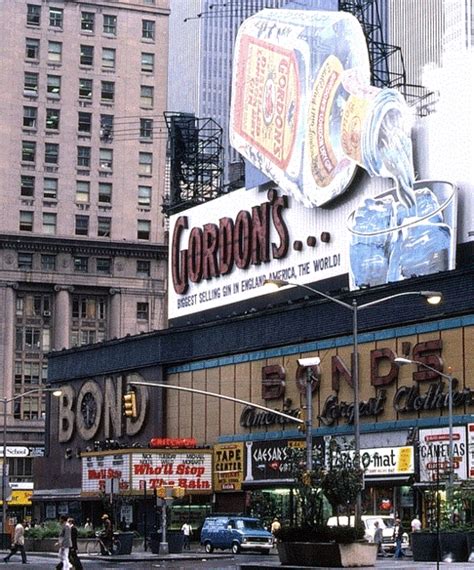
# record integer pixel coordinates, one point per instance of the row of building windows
(86, 55)
(88, 21)
(48, 262)
(83, 194)
(51, 154)
(104, 224)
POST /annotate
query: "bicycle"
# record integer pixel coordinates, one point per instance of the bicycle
(96, 546)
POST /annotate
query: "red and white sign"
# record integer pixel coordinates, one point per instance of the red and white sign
(98, 469)
(435, 457)
(192, 471)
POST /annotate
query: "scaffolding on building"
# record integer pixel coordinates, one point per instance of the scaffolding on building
(195, 161)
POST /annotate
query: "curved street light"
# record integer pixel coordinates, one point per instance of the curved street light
(432, 297)
(5, 401)
(449, 378)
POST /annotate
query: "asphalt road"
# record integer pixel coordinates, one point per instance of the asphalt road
(240, 562)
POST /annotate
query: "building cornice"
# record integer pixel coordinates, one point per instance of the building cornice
(55, 244)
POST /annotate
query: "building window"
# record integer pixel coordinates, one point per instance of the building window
(32, 48)
(148, 62)
(51, 153)
(146, 96)
(27, 186)
(89, 319)
(107, 91)
(84, 123)
(81, 264)
(82, 192)
(144, 196)
(28, 151)
(82, 226)
(87, 55)
(106, 127)
(106, 158)
(55, 52)
(26, 221)
(48, 262)
(50, 188)
(84, 156)
(56, 17)
(25, 261)
(52, 119)
(30, 85)
(143, 229)
(108, 58)
(146, 128)
(85, 88)
(148, 29)
(87, 21)
(143, 268)
(105, 192)
(104, 265)
(110, 24)
(53, 85)
(145, 163)
(33, 15)
(49, 223)
(142, 311)
(29, 117)
(103, 227)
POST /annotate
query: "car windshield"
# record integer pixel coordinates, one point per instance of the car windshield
(254, 525)
(384, 522)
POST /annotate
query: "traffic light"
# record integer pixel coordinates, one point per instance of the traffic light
(130, 404)
(302, 416)
(161, 492)
(178, 492)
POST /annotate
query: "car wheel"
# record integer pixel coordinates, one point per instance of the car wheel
(235, 548)
(208, 547)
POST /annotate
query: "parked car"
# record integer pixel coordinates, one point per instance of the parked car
(237, 533)
(386, 523)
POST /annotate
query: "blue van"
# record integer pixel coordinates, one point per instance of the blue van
(237, 533)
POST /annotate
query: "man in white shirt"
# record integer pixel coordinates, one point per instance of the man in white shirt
(415, 524)
(187, 530)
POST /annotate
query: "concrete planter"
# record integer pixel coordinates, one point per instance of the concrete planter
(328, 554)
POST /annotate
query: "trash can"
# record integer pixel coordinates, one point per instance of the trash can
(174, 539)
(126, 542)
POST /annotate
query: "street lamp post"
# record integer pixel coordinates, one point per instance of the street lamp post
(449, 378)
(432, 297)
(5, 401)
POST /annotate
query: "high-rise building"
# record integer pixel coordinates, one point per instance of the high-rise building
(82, 239)
(202, 37)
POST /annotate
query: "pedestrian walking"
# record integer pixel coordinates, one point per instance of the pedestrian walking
(18, 543)
(73, 551)
(398, 536)
(187, 531)
(64, 543)
(378, 539)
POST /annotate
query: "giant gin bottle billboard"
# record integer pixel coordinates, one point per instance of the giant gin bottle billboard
(304, 113)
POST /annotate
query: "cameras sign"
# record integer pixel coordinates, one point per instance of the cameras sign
(434, 454)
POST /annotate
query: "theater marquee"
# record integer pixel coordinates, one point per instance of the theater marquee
(135, 471)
